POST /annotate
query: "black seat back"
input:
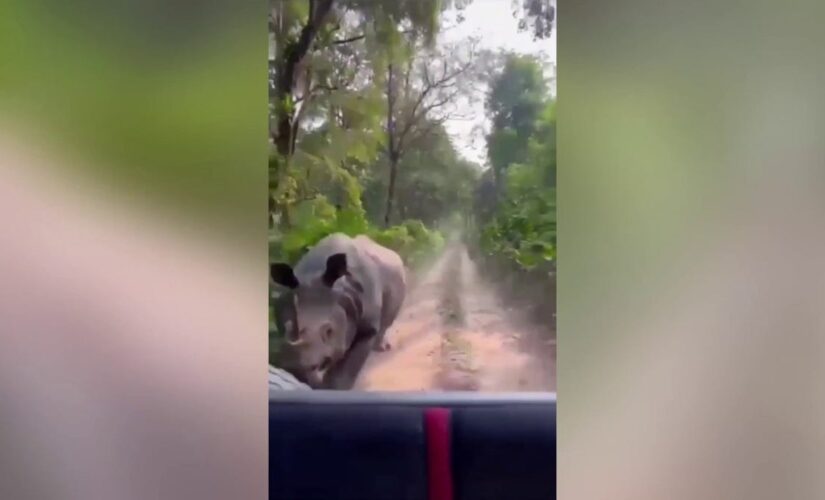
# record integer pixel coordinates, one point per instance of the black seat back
(367, 446)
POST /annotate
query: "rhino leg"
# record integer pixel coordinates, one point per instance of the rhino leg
(379, 344)
(392, 306)
(343, 375)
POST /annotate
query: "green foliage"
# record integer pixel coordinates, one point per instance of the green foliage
(317, 218)
(313, 220)
(412, 240)
(523, 229)
(433, 182)
(516, 200)
(517, 96)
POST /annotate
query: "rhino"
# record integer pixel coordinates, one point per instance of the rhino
(340, 299)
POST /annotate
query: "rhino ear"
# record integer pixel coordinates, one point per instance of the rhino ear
(282, 274)
(336, 267)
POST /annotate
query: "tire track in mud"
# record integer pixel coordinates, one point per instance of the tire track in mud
(456, 371)
(454, 334)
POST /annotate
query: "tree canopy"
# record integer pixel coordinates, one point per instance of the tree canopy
(514, 103)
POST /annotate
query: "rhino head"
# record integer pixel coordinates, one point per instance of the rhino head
(318, 317)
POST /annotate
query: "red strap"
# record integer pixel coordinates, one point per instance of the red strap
(437, 427)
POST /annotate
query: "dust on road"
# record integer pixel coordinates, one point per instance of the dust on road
(454, 333)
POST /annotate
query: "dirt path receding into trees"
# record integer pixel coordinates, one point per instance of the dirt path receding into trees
(454, 334)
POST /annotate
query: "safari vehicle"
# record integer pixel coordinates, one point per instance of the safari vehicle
(347, 445)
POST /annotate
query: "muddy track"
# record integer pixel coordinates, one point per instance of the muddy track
(453, 333)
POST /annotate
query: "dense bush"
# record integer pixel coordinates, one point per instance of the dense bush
(523, 226)
(317, 218)
(413, 241)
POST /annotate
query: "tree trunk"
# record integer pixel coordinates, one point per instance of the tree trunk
(391, 150)
(391, 189)
(289, 60)
(293, 54)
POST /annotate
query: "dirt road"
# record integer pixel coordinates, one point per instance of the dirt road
(454, 334)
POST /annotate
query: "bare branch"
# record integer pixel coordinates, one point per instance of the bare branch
(326, 88)
(420, 110)
(390, 113)
(355, 38)
(349, 40)
(407, 75)
(296, 120)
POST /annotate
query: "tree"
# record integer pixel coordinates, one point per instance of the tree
(516, 97)
(485, 198)
(423, 88)
(436, 182)
(306, 37)
(293, 27)
(515, 200)
(523, 228)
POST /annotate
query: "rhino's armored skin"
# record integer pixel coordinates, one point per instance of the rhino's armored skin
(344, 295)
